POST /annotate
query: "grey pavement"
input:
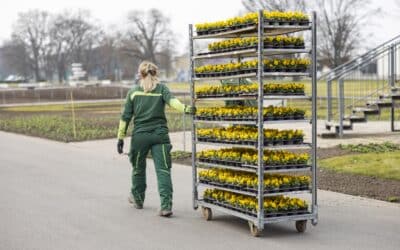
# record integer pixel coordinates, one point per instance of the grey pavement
(73, 196)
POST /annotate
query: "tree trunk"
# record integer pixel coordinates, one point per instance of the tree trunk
(36, 70)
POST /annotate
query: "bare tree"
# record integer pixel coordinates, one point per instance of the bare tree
(15, 59)
(108, 54)
(73, 36)
(48, 44)
(31, 29)
(148, 33)
(280, 5)
(60, 45)
(80, 35)
(165, 57)
(340, 26)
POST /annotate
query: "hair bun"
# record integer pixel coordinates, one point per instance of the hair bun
(151, 72)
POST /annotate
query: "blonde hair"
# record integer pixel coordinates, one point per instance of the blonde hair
(149, 76)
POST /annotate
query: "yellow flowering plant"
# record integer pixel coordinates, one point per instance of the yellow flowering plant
(249, 181)
(249, 113)
(250, 19)
(252, 42)
(247, 156)
(249, 135)
(279, 65)
(251, 89)
(274, 204)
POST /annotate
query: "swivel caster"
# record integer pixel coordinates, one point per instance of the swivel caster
(207, 213)
(254, 230)
(301, 226)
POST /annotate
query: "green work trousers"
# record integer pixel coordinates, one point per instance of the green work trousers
(159, 144)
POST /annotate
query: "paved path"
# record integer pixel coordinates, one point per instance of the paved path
(73, 196)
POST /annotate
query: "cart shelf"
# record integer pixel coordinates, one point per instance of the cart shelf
(253, 169)
(252, 97)
(267, 215)
(254, 75)
(249, 122)
(271, 147)
(254, 220)
(251, 31)
(250, 53)
(266, 193)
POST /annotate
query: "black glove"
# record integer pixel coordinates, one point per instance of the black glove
(120, 146)
(190, 110)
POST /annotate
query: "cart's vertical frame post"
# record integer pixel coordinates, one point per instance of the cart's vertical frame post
(314, 116)
(341, 106)
(260, 196)
(192, 103)
(392, 82)
(329, 99)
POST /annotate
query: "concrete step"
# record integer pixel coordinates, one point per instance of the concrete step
(355, 118)
(393, 96)
(336, 125)
(380, 104)
(328, 135)
(366, 111)
(396, 96)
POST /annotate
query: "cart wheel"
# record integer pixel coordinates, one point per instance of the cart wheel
(207, 213)
(254, 230)
(301, 226)
(314, 222)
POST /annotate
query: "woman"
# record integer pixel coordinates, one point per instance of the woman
(146, 104)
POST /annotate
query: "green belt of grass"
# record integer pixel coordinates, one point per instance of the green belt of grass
(382, 165)
(59, 127)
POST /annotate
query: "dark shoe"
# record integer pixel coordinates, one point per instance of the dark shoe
(132, 201)
(165, 213)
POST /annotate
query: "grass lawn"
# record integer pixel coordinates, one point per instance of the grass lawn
(381, 165)
(92, 121)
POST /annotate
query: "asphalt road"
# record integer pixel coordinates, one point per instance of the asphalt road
(73, 196)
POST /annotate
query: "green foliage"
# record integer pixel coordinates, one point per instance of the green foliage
(371, 147)
(393, 199)
(93, 121)
(179, 154)
(175, 121)
(176, 155)
(100, 106)
(383, 165)
(60, 128)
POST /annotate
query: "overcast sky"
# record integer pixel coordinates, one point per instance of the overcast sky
(181, 12)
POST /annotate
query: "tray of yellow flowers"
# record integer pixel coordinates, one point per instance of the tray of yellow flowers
(248, 22)
(247, 183)
(273, 206)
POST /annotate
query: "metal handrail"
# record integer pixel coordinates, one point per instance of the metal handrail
(363, 62)
(340, 67)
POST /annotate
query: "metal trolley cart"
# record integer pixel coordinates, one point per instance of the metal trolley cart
(261, 30)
